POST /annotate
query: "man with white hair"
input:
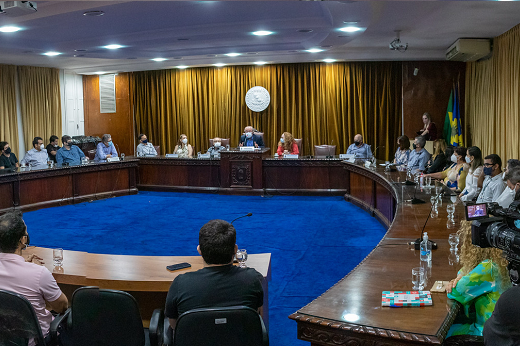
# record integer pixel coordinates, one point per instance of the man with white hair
(360, 149)
(249, 139)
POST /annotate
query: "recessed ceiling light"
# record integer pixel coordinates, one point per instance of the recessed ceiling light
(182, 66)
(9, 28)
(113, 46)
(329, 60)
(305, 30)
(159, 59)
(51, 53)
(233, 54)
(350, 29)
(93, 13)
(262, 33)
(100, 72)
(219, 65)
(314, 50)
(260, 62)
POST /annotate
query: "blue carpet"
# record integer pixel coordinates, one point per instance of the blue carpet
(314, 241)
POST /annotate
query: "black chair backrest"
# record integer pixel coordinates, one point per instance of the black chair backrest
(18, 321)
(226, 326)
(105, 317)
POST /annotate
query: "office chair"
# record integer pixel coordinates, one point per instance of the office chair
(104, 317)
(298, 142)
(324, 150)
(19, 324)
(225, 326)
(158, 149)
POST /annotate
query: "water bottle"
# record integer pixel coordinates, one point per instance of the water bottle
(421, 180)
(426, 249)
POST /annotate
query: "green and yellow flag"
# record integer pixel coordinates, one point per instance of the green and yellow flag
(452, 128)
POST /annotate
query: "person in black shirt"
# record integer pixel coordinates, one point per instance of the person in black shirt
(52, 148)
(503, 327)
(8, 159)
(219, 283)
(439, 159)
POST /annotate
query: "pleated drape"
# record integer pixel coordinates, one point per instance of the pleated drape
(320, 103)
(492, 94)
(8, 118)
(40, 103)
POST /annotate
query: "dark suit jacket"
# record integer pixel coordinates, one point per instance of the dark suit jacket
(256, 139)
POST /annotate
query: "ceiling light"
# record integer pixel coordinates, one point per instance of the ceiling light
(113, 46)
(100, 72)
(182, 66)
(314, 50)
(350, 29)
(159, 59)
(10, 28)
(329, 60)
(262, 33)
(93, 13)
(51, 53)
(260, 62)
(219, 65)
(233, 54)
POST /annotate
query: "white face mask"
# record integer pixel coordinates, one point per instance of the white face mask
(503, 175)
(42, 147)
(185, 141)
(249, 134)
(453, 158)
(468, 160)
(217, 144)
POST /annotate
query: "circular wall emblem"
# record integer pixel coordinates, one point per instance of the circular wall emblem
(257, 98)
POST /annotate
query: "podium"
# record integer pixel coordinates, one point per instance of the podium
(242, 169)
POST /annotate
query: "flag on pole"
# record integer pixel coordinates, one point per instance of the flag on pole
(452, 128)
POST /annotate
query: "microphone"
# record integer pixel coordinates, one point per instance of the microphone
(417, 242)
(375, 150)
(416, 200)
(247, 215)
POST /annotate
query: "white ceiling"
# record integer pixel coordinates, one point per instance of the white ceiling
(198, 33)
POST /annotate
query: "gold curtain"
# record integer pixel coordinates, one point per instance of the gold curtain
(492, 94)
(8, 117)
(40, 103)
(320, 103)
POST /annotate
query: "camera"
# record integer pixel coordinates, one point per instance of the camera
(498, 231)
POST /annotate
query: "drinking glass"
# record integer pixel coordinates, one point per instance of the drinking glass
(434, 201)
(428, 181)
(453, 258)
(57, 257)
(453, 240)
(418, 278)
(435, 213)
(242, 258)
(122, 156)
(450, 209)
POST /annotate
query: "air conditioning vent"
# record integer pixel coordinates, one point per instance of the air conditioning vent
(107, 93)
(469, 49)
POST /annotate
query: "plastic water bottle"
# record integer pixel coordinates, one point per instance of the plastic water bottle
(426, 249)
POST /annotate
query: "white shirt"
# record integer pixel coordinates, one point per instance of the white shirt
(35, 157)
(492, 188)
(146, 149)
(471, 190)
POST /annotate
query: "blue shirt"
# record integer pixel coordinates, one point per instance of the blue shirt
(250, 142)
(362, 152)
(72, 156)
(102, 152)
(418, 160)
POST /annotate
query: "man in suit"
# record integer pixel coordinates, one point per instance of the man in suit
(249, 139)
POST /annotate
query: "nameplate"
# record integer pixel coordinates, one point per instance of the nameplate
(247, 148)
(348, 157)
(204, 156)
(172, 155)
(290, 156)
(113, 159)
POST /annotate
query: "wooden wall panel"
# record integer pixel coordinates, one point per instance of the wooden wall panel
(119, 124)
(362, 188)
(48, 189)
(92, 183)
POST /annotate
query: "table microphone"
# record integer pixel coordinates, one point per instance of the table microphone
(248, 214)
(418, 241)
(416, 200)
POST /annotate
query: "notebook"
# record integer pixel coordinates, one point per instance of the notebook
(406, 298)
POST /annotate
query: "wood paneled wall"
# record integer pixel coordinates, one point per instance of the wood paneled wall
(429, 91)
(119, 124)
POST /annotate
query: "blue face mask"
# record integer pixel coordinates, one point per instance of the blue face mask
(110, 143)
(488, 170)
(145, 141)
(282, 140)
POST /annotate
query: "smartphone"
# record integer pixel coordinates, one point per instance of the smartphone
(178, 266)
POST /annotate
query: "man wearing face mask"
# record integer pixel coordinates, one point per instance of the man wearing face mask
(69, 154)
(52, 148)
(491, 180)
(8, 159)
(419, 156)
(25, 275)
(37, 156)
(105, 149)
(360, 149)
(249, 139)
(145, 148)
(217, 147)
(511, 192)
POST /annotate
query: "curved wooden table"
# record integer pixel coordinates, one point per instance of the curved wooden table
(350, 312)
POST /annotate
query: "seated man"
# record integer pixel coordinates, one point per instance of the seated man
(217, 147)
(503, 327)
(37, 156)
(360, 149)
(69, 153)
(219, 283)
(249, 139)
(52, 148)
(25, 277)
(419, 157)
(7, 158)
(105, 149)
(490, 180)
(145, 148)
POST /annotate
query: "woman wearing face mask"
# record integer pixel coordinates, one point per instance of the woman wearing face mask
(402, 153)
(455, 176)
(8, 159)
(512, 191)
(183, 149)
(287, 145)
(438, 159)
(476, 164)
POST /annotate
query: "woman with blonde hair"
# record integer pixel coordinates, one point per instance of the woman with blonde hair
(478, 285)
(438, 159)
(183, 149)
(429, 130)
(287, 145)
